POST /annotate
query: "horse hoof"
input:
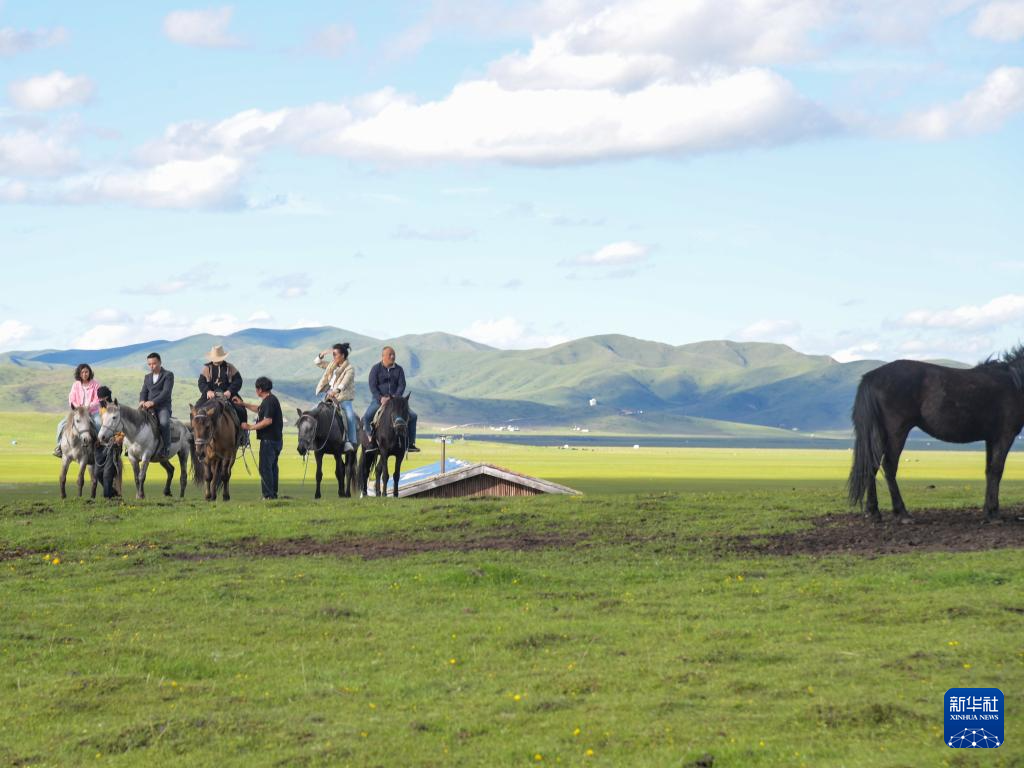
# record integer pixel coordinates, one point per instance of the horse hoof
(993, 520)
(905, 520)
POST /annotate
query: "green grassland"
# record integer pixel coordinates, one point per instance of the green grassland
(623, 629)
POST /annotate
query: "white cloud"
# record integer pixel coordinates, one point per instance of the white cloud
(333, 40)
(50, 91)
(205, 29)
(482, 120)
(29, 153)
(1002, 21)
(106, 335)
(997, 312)
(259, 316)
(864, 351)
(982, 110)
(509, 333)
(12, 332)
(615, 255)
(211, 182)
(14, 41)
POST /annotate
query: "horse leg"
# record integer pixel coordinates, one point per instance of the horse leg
(227, 480)
(135, 472)
(339, 472)
(890, 465)
(183, 463)
(382, 467)
(169, 468)
(81, 478)
(142, 472)
(319, 473)
(92, 474)
(350, 473)
(398, 471)
(996, 453)
(208, 479)
(64, 464)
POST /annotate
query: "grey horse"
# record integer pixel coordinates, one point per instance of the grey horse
(140, 444)
(78, 443)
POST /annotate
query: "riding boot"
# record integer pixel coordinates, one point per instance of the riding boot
(58, 452)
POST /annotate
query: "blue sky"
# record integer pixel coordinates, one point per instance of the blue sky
(839, 175)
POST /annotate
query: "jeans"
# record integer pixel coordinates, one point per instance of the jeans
(350, 416)
(269, 451)
(374, 405)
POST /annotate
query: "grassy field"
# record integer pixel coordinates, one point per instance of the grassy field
(623, 627)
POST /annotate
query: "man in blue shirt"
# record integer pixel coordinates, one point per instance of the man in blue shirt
(387, 380)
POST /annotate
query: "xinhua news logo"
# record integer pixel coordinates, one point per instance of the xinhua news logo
(974, 718)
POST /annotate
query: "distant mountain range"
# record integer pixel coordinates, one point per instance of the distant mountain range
(707, 388)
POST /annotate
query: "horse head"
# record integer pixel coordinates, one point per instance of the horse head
(400, 412)
(111, 423)
(203, 426)
(82, 427)
(306, 427)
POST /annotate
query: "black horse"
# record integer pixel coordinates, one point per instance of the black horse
(321, 431)
(390, 438)
(955, 405)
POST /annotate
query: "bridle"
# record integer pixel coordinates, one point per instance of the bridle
(316, 421)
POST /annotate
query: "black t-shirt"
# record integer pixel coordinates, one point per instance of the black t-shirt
(270, 408)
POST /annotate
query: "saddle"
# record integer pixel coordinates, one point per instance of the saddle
(154, 424)
(342, 417)
(377, 417)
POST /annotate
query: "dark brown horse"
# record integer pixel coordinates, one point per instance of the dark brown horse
(955, 405)
(322, 431)
(216, 429)
(390, 438)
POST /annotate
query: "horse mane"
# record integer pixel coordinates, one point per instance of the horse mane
(1011, 361)
(133, 416)
(83, 411)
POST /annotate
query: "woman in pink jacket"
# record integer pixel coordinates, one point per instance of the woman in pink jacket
(83, 392)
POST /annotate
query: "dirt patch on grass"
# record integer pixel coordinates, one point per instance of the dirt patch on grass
(377, 548)
(933, 530)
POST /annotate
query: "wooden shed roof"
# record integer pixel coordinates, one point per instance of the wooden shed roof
(480, 468)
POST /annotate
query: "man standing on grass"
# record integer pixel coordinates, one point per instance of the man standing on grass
(269, 427)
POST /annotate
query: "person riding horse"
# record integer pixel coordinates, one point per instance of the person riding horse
(338, 385)
(83, 392)
(155, 398)
(387, 380)
(219, 378)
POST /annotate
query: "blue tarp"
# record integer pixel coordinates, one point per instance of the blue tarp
(428, 470)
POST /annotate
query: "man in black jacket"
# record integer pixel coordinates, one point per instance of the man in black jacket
(155, 396)
(221, 378)
(387, 380)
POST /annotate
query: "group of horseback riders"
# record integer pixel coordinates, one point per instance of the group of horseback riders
(221, 379)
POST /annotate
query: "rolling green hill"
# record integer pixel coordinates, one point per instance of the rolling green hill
(707, 388)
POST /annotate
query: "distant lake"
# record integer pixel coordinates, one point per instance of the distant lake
(923, 443)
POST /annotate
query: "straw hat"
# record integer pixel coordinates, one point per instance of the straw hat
(217, 354)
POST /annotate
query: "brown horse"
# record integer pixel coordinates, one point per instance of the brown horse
(216, 429)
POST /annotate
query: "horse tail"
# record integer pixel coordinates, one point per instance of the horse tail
(869, 442)
(196, 459)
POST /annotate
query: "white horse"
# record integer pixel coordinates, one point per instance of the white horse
(141, 438)
(78, 443)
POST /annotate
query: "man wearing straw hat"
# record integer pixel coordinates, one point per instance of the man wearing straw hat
(219, 378)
